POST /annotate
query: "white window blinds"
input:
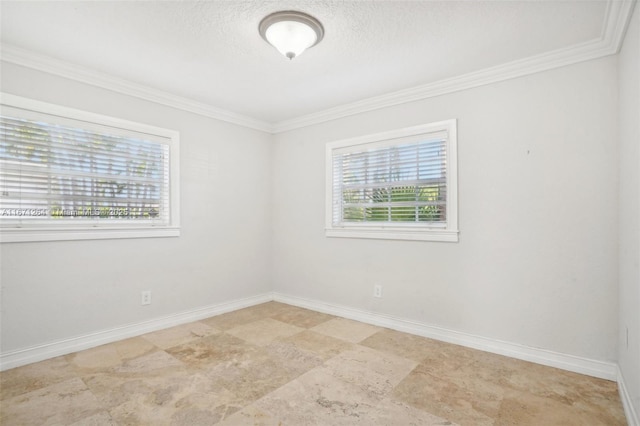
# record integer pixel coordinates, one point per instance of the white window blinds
(400, 184)
(58, 171)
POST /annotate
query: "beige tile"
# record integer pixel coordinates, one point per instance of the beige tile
(62, 403)
(481, 379)
(402, 344)
(99, 358)
(176, 399)
(110, 355)
(233, 319)
(265, 331)
(243, 316)
(324, 346)
(116, 389)
(301, 317)
(447, 393)
(155, 362)
(250, 378)
(180, 334)
(213, 350)
(270, 308)
(269, 367)
(100, 419)
(35, 376)
(598, 398)
(523, 408)
(253, 415)
(294, 360)
(141, 375)
(133, 348)
(317, 398)
(373, 371)
(341, 328)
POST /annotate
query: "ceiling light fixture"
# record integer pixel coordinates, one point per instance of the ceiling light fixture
(291, 32)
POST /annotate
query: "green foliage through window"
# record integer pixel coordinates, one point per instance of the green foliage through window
(397, 184)
(53, 171)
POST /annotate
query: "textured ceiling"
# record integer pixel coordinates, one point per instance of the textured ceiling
(211, 52)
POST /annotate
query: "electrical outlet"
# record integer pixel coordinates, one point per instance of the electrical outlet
(377, 290)
(146, 297)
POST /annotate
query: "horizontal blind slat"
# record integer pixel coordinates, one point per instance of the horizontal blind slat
(394, 183)
(48, 166)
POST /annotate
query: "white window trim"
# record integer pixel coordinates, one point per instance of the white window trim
(412, 232)
(36, 233)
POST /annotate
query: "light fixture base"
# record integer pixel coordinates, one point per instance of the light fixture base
(281, 38)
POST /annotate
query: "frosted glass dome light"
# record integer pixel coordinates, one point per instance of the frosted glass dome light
(291, 32)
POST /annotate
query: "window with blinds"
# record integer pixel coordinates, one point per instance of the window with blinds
(399, 185)
(67, 174)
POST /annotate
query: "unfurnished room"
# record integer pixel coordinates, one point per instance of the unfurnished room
(320, 212)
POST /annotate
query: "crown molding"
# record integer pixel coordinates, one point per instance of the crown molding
(617, 20)
(614, 27)
(26, 58)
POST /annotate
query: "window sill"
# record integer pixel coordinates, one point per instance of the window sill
(20, 235)
(395, 234)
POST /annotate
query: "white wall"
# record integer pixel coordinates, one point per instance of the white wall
(58, 290)
(629, 207)
(537, 259)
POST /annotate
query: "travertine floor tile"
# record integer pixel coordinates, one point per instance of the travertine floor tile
(318, 398)
(100, 419)
(474, 387)
(341, 328)
(466, 402)
(322, 345)
(153, 363)
(243, 316)
(213, 350)
(63, 403)
(133, 348)
(18, 381)
(596, 397)
(98, 358)
(269, 308)
(265, 331)
(249, 378)
(293, 359)
(176, 400)
(403, 344)
(117, 389)
(373, 371)
(525, 409)
(301, 317)
(110, 355)
(119, 384)
(179, 335)
(281, 365)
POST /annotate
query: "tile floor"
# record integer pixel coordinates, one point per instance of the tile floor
(275, 364)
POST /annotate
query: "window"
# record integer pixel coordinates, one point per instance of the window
(395, 185)
(67, 174)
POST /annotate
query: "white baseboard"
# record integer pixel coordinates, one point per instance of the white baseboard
(581, 365)
(62, 347)
(629, 409)
(601, 369)
(605, 370)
